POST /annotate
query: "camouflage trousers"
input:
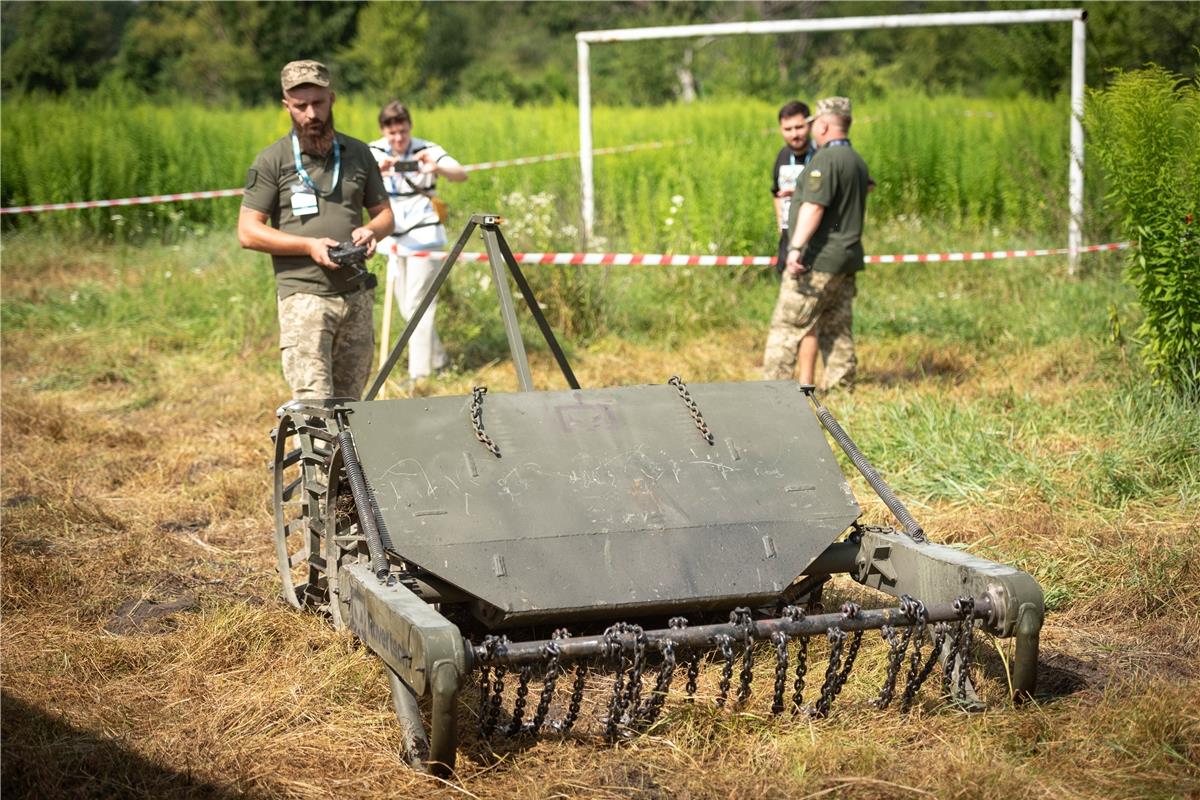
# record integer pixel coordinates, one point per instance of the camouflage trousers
(327, 343)
(813, 301)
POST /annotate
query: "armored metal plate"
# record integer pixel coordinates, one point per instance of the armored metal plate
(607, 499)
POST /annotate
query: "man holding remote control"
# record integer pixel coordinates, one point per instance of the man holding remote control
(303, 204)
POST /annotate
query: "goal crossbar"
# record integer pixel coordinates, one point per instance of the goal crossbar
(1076, 16)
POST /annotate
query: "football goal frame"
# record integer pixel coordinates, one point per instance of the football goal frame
(1076, 16)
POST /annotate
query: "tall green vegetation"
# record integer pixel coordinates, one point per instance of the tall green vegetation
(939, 162)
(1146, 131)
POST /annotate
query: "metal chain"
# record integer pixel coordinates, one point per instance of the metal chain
(796, 613)
(741, 618)
(965, 606)
(725, 644)
(576, 699)
(477, 393)
(649, 712)
(613, 650)
(895, 653)
(693, 675)
(897, 646)
(837, 637)
(485, 680)
(940, 631)
(523, 678)
(849, 611)
(551, 651)
(697, 417)
(914, 661)
(960, 637)
(568, 721)
(801, 671)
(492, 714)
(633, 691)
(780, 640)
(693, 659)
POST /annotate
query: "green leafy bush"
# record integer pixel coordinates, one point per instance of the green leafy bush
(1145, 131)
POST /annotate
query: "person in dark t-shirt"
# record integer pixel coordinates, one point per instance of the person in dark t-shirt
(789, 165)
(825, 251)
(305, 194)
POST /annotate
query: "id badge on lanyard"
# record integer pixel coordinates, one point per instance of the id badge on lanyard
(304, 202)
(304, 191)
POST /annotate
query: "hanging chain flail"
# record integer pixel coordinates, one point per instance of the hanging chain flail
(725, 645)
(837, 638)
(779, 639)
(552, 651)
(741, 618)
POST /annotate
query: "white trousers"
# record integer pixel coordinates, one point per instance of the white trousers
(412, 278)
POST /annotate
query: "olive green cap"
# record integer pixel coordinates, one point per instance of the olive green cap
(297, 73)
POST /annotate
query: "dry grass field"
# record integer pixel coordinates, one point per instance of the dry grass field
(145, 651)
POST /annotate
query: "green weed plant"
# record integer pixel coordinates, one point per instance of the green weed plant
(1145, 130)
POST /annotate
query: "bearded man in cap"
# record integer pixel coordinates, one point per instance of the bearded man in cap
(818, 288)
(304, 195)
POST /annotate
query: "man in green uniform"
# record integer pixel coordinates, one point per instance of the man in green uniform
(817, 292)
(304, 195)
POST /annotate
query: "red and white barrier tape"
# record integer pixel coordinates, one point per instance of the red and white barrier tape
(209, 195)
(124, 201)
(667, 260)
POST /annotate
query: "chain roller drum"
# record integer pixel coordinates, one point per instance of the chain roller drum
(626, 650)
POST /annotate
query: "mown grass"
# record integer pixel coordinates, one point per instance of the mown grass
(138, 386)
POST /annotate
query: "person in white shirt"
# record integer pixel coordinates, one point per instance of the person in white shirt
(411, 168)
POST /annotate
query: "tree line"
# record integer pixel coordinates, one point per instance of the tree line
(524, 52)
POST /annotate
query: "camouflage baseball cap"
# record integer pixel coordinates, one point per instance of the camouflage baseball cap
(839, 106)
(296, 73)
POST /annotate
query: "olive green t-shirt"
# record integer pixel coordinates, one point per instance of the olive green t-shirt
(835, 179)
(269, 185)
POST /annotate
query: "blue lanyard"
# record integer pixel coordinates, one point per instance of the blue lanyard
(838, 143)
(808, 154)
(337, 166)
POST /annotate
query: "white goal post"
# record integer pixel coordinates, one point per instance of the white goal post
(1076, 16)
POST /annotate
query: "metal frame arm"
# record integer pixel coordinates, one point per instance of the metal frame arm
(426, 301)
(896, 565)
(499, 257)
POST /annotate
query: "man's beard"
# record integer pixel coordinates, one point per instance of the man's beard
(316, 138)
